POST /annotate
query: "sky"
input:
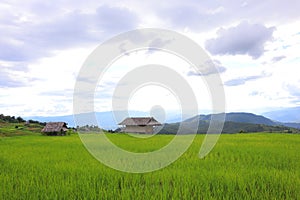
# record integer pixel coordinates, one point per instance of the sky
(254, 44)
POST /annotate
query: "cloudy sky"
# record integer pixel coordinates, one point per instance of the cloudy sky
(254, 44)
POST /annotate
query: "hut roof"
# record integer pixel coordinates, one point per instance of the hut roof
(140, 121)
(55, 127)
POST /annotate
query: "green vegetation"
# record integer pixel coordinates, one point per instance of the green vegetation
(230, 127)
(235, 123)
(241, 166)
(11, 119)
(17, 126)
(18, 129)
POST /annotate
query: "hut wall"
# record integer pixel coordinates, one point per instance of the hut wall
(138, 129)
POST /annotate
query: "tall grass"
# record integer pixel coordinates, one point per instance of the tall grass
(241, 166)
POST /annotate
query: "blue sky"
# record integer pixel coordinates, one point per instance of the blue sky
(255, 45)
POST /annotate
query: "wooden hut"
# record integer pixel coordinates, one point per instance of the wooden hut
(55, 128)
(139, 125)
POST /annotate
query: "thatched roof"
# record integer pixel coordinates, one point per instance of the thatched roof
(55, 127)
(140, 121)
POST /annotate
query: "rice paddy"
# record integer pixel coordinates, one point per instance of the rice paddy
(241, 166)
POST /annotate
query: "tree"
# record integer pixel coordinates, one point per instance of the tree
(20, 119)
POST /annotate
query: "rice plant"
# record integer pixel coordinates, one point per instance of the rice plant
(241, 166)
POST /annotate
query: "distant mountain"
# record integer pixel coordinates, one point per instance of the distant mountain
(229, 127)
(291, 115)
(293, 125)
(105, 120)
(234, 123)
(241, 117)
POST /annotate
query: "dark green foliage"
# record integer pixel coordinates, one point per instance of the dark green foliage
(70, 131)
(11, 119)
(20, 119)
(36, 122)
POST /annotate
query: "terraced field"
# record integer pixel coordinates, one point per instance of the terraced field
(241, 166)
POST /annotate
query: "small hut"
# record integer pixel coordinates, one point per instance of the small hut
(139, 125)
(55, 128)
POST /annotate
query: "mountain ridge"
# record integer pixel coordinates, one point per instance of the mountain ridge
(239, 119)
(285, 115)
(242, 117)
(234, 122)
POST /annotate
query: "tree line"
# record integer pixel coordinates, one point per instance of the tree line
(13, 119)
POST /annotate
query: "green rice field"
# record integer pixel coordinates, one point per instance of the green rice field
(241, 166)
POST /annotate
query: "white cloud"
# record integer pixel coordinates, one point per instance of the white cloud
(242, 80)
(26, 37)
(43, 45)
(245, 38)
(211, 67)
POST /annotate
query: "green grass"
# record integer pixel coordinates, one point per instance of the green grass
(241, 166)
(18, 129)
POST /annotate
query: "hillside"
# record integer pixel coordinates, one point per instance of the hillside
(229, 127)
(234, 123)
(240, 117)
(18, 129)
(16, 126)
